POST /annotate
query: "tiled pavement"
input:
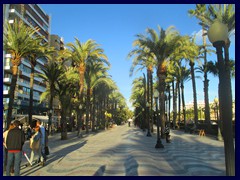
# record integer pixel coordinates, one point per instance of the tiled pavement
(127, 151)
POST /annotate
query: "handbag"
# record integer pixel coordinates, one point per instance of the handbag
(46, 150)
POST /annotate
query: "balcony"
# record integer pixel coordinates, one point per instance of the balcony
(7, 81)
(6, 92)
(7, 68)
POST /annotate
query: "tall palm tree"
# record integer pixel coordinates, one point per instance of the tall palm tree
(65, 90)
(184, 76)
(17, 40)
(80, 54)
(144, 59)
(160, 46)
(50, 75)
(201, 11)
(189, 51)
(94, 75)
(139, 101)
(39, 50)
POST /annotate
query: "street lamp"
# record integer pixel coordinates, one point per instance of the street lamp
(159, 142)
(219, 136)
(218, 34)
(148, 133)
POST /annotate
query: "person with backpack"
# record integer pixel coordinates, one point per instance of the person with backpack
(11, 126)
(14, 142)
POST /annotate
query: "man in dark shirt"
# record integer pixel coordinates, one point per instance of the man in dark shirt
(14, 142)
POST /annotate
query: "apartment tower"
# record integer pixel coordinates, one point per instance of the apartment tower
(33, 16)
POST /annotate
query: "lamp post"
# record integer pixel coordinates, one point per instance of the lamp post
(219, 136)
(159, 142)
(148, 133)
(217, 34)
(79, 121)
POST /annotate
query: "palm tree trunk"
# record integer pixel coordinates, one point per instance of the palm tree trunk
(174, 105)
(31, 97)
(80, 115)
(50, 111)
(183, 107)
(145, 108)
(12, 94)
(148, 99)
(194, 94)
(63, 124)
(93, 111)
(87, 109)
(206, 84)
(179, 105)
(162, 103)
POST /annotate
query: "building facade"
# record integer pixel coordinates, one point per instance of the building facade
(33, 16)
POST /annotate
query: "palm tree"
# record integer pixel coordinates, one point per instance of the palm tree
(50, 75)
(143, 58)
(80, 54)
(201, 11)
(39, 51)
(188, 50)
(185, 76)
(139, 101)
(65, 90)
(17, 40)
(94, 75)
(224, 13)
(160, 46)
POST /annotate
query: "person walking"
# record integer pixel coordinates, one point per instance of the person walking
(14, 142)
(43, 135)
(11, 126)
(35, 144)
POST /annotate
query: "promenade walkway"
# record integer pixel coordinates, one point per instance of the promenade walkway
(127, 151)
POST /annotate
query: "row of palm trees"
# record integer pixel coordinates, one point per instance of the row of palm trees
(174, 56)
(169, 53)
(77, 76)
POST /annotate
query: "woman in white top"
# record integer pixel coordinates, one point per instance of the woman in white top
(35, 144)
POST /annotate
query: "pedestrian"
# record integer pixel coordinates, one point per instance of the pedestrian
(14, 142)
(35, 144)
(11, 126)
(43, 137)
(167, 133)
(29, 132)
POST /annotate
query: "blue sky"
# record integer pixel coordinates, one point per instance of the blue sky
(115, 26)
